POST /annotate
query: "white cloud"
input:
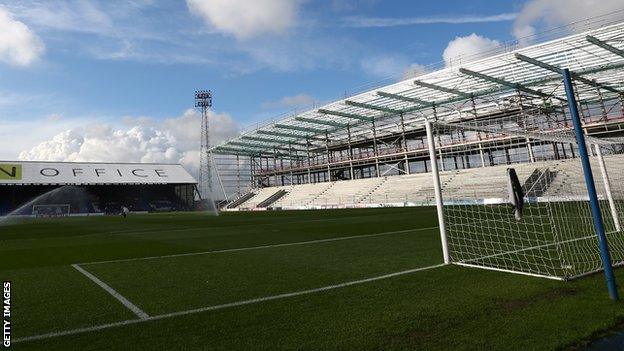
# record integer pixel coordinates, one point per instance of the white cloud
(414, 70)
(19, 45)
(539, 15)
(76, 16)
(464, 49)
(246, 19)
(174, 140)
(121, 31)
(115, 30)
(391, 66)
(294, 101)
(20, 134)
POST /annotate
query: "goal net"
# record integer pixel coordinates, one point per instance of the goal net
(53, 210)
(550, 231)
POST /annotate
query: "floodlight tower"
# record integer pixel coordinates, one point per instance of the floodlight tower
(203, 101)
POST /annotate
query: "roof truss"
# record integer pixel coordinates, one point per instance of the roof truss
(251, 145)
(280, 134)
(443, 89)
(592, 58)
(261, 148)
(302, 129)
(404, 98)
(346, 115)
(372, 107)
(235, 150)
(503, 82)
(322, 122)
(268, 140)
(604, 45)
(558, 70)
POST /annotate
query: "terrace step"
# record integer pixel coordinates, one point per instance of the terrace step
(271, 199)
(321, 193)
(372, 190)
(241, 200)
(538, 182)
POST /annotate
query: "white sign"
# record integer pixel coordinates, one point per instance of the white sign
(21, 172)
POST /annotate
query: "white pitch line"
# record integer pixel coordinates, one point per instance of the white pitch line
(249, 248)
(223, 306)
(132, 307)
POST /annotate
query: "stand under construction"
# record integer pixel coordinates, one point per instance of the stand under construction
(381, 132)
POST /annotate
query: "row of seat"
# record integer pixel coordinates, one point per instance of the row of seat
(565, 178)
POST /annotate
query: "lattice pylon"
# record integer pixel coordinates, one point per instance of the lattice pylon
(203, 101)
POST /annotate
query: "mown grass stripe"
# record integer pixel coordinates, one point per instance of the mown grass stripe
(222, 306)
(260, 247)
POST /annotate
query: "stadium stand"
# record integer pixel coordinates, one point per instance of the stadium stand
(417, 189)
(96, 187)
(371, 148)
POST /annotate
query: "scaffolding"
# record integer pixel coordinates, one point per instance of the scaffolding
(381, 132)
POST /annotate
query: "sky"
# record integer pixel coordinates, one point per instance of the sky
(114, 80)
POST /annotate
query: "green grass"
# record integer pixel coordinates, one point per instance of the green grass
(443, 308)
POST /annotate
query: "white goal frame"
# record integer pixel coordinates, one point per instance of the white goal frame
(64, 210)
(569, 253)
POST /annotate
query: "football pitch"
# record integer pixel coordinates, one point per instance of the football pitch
(365, 279)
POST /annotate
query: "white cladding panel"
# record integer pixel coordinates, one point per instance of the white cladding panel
(20, 172)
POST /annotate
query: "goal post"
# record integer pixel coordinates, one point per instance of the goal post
(438, 191)
(605, 254)
(607, 185)
(554, 235)
(51, 210)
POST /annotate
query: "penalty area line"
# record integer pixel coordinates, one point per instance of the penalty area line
(260, 247)
(129, 305)
(223, 306)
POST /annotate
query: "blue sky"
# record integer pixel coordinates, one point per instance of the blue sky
(86, 82)
(115, 65)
